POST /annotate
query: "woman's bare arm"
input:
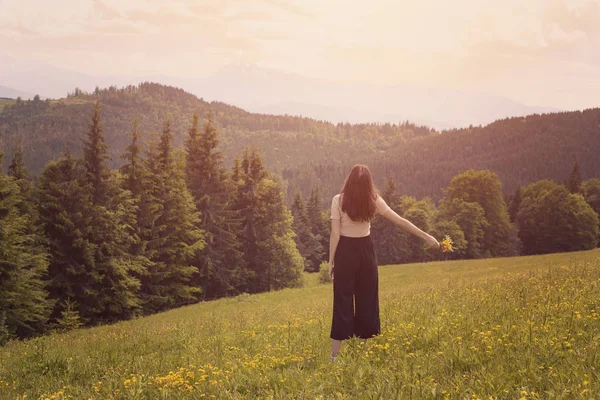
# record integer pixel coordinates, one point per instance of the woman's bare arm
(334, 239)
(411, 228)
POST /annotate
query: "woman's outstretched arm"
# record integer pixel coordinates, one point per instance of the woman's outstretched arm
(334, 239)
(411, 228)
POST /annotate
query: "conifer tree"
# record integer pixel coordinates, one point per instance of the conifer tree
(390, 241)
(173, 239)
(24, 308)
(64, 207)
(308, 244)
(317, 227)
(136, 181)
(272, 259)
(95, 157)
(515, 203)
(574, 183)
(112, 219)
(221, 261)
(132, 170)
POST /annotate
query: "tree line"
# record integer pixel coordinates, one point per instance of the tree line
(88, 244)
(543, 217)
(520, 150)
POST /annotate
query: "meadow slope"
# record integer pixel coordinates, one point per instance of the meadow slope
(506, 328)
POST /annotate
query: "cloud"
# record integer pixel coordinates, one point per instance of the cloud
(290, 7)
(557, 30)
(105, 12)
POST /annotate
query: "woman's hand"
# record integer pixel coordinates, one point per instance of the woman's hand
(431, 241)
(331, 272)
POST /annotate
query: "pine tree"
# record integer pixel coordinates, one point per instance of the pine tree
(221, 261)
(111, 231)
(17, 168)
(173, 239)
(18, 171)
(320, 240)
(308, 244)
(272, 259)
(574, 182)
(64, 207)
(132, 170)
(390, 241)
(23, 299)
(313, 212)
(95, 157)
(515, 203)
(136, 181)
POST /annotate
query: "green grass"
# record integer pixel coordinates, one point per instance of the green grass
(526, 327)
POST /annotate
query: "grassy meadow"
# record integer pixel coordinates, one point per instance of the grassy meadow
(506, 328)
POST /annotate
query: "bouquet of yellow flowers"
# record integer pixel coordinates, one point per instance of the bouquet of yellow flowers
(446, 244)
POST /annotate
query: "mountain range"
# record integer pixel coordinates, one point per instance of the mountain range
(272, 91)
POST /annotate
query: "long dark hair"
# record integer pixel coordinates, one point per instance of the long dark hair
(359, 195)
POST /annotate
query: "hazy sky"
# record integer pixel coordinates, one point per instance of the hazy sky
(540, 52)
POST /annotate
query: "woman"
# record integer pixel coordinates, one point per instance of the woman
(352, 262)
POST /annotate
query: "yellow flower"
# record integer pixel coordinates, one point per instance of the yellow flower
(447, 244)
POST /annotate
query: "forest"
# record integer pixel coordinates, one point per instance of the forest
(46, 127)
(116, 227)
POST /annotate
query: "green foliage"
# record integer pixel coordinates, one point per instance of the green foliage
(4, 332)
(271, 256)
(551, 219)
(574, 182)
(470, 218)
(69, 317)
(421, 214)
(17, 168)
(221, 262)
(485, 189)
(89, 221)
(23, 299)
(324, 272)
(95, 156)
(172, 234)
(513, 203)
(439, 230)
(64, 206)
(591, 194)
(310, 233)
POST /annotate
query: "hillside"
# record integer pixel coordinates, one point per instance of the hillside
(523, 327)
(46, 128)
(307, 151)
(519, 150)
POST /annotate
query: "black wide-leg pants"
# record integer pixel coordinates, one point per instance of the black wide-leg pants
(355, 289)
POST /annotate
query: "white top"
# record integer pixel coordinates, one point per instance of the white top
(352, 228)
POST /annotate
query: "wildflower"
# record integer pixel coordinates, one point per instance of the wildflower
(447, 244)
